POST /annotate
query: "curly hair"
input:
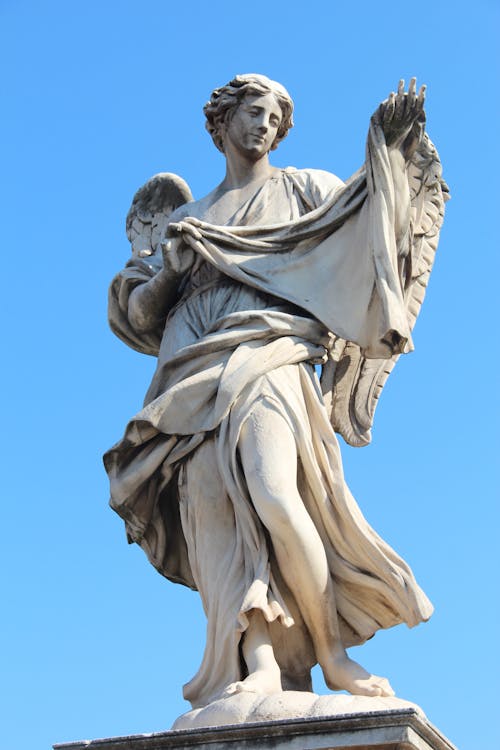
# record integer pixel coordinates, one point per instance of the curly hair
(225, 100)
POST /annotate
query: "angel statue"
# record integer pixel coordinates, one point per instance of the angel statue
(230, 478)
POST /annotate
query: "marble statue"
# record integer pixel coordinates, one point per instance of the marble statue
(230, 477)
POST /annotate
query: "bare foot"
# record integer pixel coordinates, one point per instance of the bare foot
(262, 681)
(346, 674)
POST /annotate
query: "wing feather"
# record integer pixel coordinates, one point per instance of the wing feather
(151, 209)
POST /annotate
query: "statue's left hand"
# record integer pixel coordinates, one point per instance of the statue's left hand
(402, 118)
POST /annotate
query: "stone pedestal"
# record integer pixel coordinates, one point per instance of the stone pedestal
(396, 729)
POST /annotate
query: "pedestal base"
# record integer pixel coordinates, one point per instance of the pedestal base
(394, 729)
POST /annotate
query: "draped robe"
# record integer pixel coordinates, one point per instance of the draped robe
(304, 256)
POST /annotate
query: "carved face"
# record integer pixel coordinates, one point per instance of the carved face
(254, 125)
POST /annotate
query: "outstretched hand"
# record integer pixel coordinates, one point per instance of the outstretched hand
(402, 117)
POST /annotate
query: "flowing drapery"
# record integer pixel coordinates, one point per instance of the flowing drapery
(245, 331)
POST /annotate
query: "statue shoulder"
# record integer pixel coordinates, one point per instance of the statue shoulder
(318, 184)
(187, 209)
(195, 208)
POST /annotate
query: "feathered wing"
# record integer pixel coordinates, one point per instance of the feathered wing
(146, 223)
(353, 384)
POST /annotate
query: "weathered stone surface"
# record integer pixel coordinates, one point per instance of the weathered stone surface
(399, 729)
(230, 477)
(290, 704)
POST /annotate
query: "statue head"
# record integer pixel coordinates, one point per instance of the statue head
(225, 101)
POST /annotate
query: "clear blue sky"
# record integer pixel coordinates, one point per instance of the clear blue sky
(97, 97)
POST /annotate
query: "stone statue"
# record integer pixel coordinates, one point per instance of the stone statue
(230, 478)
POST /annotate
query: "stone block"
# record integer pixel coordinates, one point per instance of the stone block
(398, 729)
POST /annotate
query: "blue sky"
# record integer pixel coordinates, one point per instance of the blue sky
(97, 98)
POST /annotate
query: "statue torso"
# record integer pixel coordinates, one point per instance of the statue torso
(286, 195)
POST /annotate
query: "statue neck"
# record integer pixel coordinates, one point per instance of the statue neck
(241, 171)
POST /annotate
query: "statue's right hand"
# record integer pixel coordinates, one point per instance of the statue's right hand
(177, 256)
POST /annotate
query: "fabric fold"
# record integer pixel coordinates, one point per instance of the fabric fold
(254, 315)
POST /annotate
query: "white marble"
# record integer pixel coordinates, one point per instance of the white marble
(248, 707)
(230, 477)
(385, 725)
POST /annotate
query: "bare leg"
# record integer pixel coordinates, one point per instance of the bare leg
(263, 670)
(268, 453)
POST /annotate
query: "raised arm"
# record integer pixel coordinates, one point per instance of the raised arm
(402, 118)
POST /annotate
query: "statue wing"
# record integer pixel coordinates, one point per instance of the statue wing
(352, 385)
(151, 209)
(147, 220)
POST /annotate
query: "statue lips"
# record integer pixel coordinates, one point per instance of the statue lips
(256, 141)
